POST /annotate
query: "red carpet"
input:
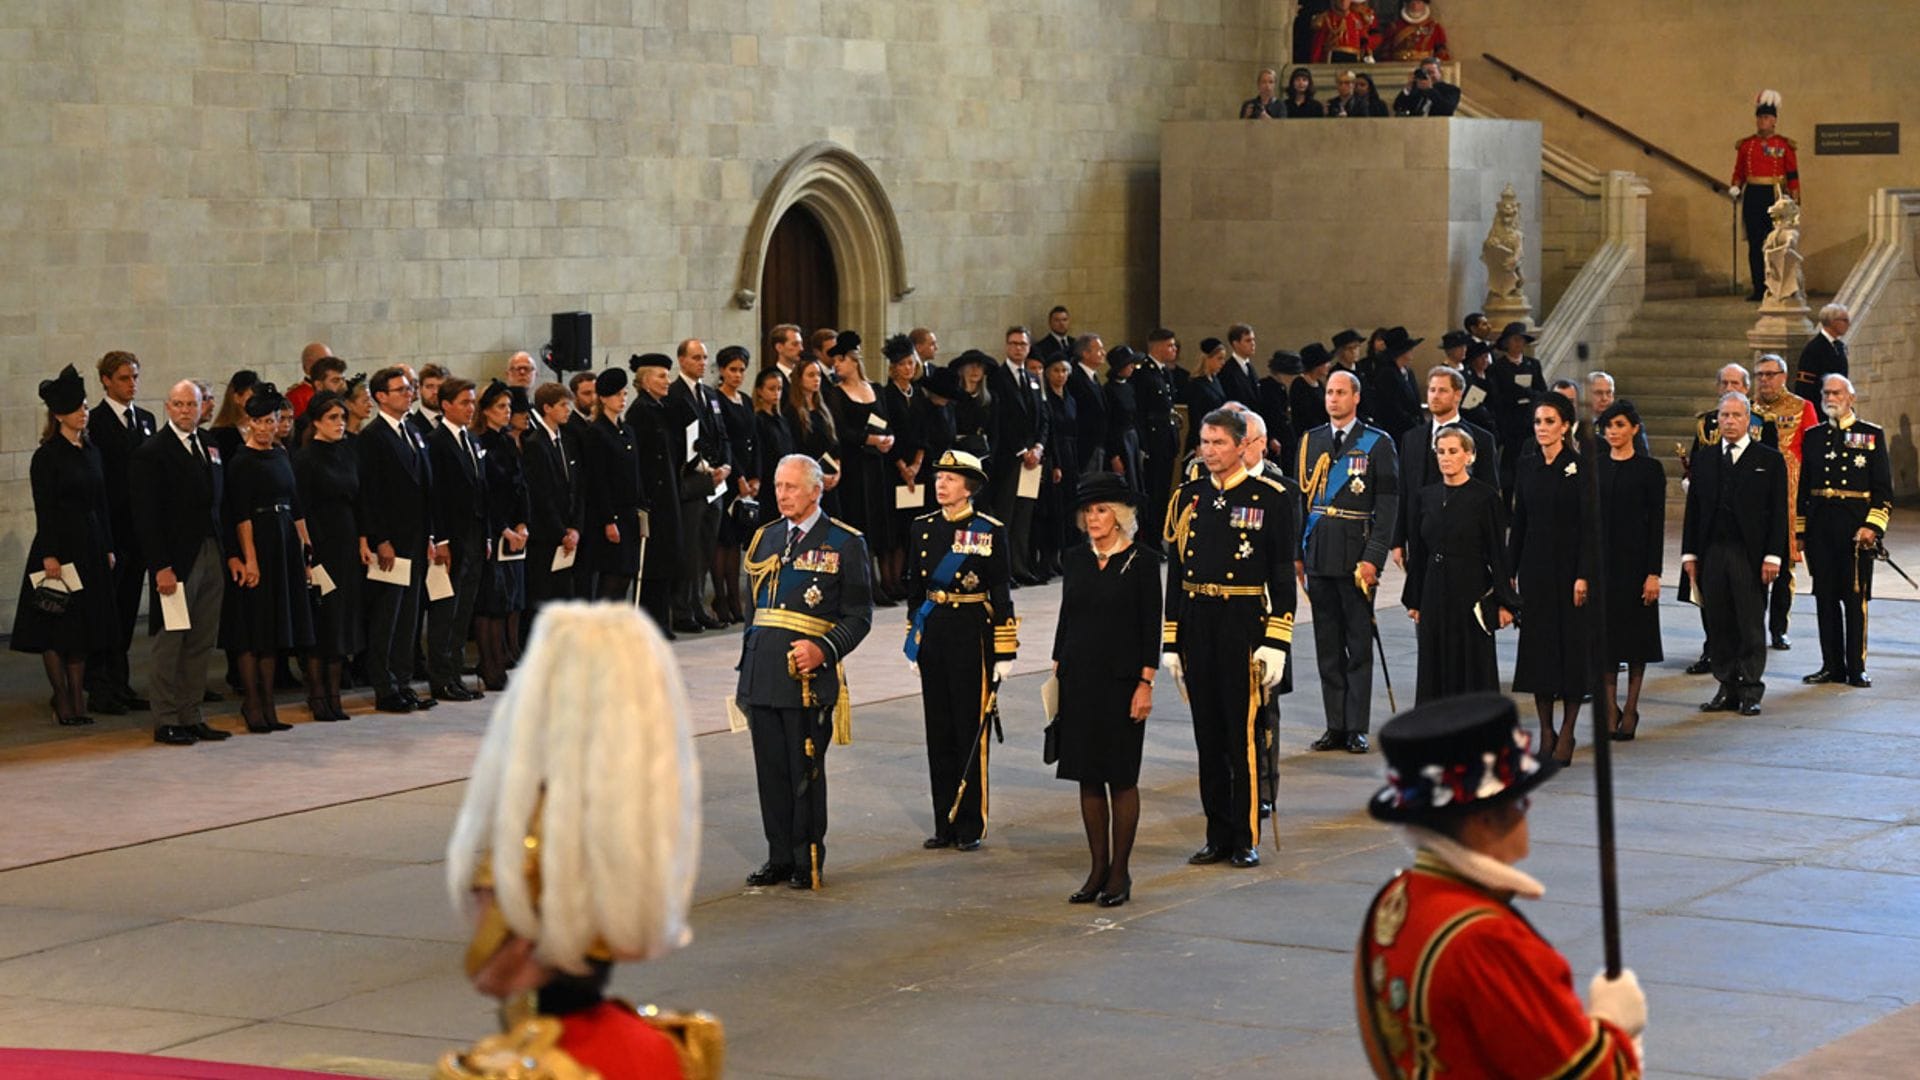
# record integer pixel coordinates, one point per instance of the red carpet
(88, 1065)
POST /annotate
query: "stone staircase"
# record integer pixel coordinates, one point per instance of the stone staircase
(1670, 278)
(1668, 363)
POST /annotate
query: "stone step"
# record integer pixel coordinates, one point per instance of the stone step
(1672, 290)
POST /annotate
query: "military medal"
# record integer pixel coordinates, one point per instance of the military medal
(812, 596)
(1246, 550)
(1359, 486)
(1219, 502)
(1859, 461)
(970, 581)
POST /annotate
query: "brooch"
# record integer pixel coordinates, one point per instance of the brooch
(1859, 461)
(1359, 486)
(811, 596)
(1572, 467)
(970, 581)
(1246, 550)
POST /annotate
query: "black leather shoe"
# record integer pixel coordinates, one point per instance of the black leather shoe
(967, 845)
(1749, 708)
(208, 734)
(800, 879)
(1246, 857)
(1357, 743)
(75, 721)
(1331, 740)
(1702, 666)
(1266, 807)
(106, 705)
(453, 692)
(1207, 856)
(1860, 681)
(393, 704)
(769, 874)
(1825, 675)
(933, 842)
(174, 735)
(420, 704)
(1722, 702)
(1116, 897)
(212, 697)
(1780, 642)
(1086, 894)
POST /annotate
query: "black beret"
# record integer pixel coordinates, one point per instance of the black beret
(610, 381)
(64, 392)
(652, 359)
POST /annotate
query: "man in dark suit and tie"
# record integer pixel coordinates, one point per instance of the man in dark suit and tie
(1445, 385)
(1018, 444)
(117, 427)
(1157, 383)
(1237, 378)
(706, 468)
(553, 465)
(460, 508)
(1732, 545)
(396, 516)
(176, 489)
(1825, 354)
(1090, 404)
(1057, 342)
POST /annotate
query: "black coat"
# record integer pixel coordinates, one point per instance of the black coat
(612, 494)
(277, 613)
(1090, 416)
(1203, 395)
(1517, 388)
(1239, 385)
(1309, 403)
(1820, 358)
(1394, 400)
(116, 443)
(1759, 492)
(71, 524)
(660, 443)
(1123, 430)
(1456, 552)
(1108, 632)
(176, 504)
(772, 440)
(1276, 408)
(327, 476)
(1633, 522)
(1020, 409)
(554, 498)
(1551, 545)
(1417, 468)
(396, 487)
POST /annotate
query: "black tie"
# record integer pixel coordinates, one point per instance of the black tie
(1728, 457)
(794, 533)
(200, 452)
(473, 463)
(1338, 438)
(560, 449)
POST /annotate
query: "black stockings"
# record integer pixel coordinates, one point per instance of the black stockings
(491, 632)
(1559, 744)
(68, 679)
(726, 582)
(1121, 812)
(1616, 715)
(256, 688)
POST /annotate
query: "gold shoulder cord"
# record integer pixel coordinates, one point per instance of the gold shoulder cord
(699, 1037)
(530, 1050)
(1183, 526)
(761, 572)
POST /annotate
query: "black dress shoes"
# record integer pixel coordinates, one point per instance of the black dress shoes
(933, 842)
(1087, 894)
(1115, 897)
(1702, 666)
(208, 734)
(1780, 642)
(1860, 681)
(967, 845)
(1824, 675)
(1749, 708)
(174, 735)
(1207, 856)
(1266, 807)
(800, 879)
(393, 704)
(1246, 857)
(1722, 702)
(420, 704)
(453, 692)
(1357, 743)
(769, 874)
(1331, 740)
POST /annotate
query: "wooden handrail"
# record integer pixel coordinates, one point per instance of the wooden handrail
(1586, 113)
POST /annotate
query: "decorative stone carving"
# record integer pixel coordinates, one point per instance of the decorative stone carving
(1783, 323)
(1506, 300)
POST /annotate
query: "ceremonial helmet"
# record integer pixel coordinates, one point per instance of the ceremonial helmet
(1767, 103)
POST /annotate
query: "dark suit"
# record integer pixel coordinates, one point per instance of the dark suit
(1090, 410)
(460, 506)
(107, 675)
(1239, 384)
(1049, 347)
(1393, 400)
(1155, 389)
(396, 485)
(1734, 523)
(699, 518)
(1203, 395)
(1417, 468)
(819, 592)
(176, 514)
(553, 467)
(1365, 506)
(1123, 430)
(1822, 356)
(1020, 406)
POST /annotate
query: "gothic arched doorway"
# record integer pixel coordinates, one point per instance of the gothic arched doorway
(799, 283)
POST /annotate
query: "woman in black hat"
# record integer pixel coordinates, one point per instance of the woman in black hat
(503, 579)
(267, 609)
(973, 407)
(1106, 649)
(72, 546)
(1551, 550)
(1458, 589)
(326, 472)
(1309, 391)
(865, 437)
(1633, 522)
(613, 496)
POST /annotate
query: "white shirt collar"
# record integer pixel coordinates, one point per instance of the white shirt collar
(399, 426)
(1092, 373)
(1352, 422)
(1740, 444)
(693, 384)
(185, 437)
(1829, 337)
(552, 432)
(806, 524)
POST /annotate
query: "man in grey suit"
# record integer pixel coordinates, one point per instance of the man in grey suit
(1348, 473)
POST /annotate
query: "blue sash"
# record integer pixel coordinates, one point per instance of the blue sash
(941, 578)
(1336, 479)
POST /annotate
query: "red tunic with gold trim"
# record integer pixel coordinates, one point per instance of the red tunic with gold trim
(1409, 41)
(619, 1044)
(1350, 31)
(1767, 159)
(1452, 982)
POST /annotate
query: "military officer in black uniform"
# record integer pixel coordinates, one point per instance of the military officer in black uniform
(812, 603)
(1349, 475)
(962, 640)
(1229, 623)
(1157, 385)
(1846, 496)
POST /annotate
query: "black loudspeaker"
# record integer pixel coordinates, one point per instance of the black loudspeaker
(572, 346)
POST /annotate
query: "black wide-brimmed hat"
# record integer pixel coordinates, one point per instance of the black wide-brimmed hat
(1396, 344)
(1284, 362)
(266, 400)
(1313, 355)
(64, 392)
(1510, 330)
(610, 381)
(845, 342)
(1455, 339)
(650, 359)
(943, 382)
(1105, 487)
(971, 356)
(1121, 357)
(1345, 338)
(1477, 349)
(959, 461)
(1454, 755)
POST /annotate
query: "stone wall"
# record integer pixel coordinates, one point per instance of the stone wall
(1570, 228)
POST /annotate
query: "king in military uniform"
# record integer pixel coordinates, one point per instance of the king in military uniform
(962, 639)
(1845, 499)
(1449, 979)
(812, 603)
(1229, 624)
(576, 847)
(1764, 168)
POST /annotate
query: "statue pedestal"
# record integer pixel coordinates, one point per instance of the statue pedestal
(1782, 325)
(1503, 310)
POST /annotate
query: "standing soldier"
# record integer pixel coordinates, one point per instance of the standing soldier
(1229, 624)
(1791, 417)
(811, 603)
(1157, 384)
(1253, 454)
(1349, 478)
(1763, 167)
(1846, 495)
(964, 627)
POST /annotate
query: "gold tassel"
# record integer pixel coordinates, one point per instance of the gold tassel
(843, 711)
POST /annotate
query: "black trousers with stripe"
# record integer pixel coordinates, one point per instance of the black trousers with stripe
(1217, 640)
(955, 653)
(789, 757)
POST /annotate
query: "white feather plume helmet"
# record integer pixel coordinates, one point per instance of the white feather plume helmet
(593, 735)
(1768, 102)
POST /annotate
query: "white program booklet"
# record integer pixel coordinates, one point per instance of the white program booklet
(321, 580)
(1029, 483)
(173, 610)
(69, 578)
(563, 559)
(401, 574)
(909, 498)
(439, 583)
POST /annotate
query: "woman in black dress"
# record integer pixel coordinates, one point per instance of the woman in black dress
(901, 400)
(1552, 550)
(1456, 553)
(503, 580)
(267, 609)
(973, 407)
(865, 437)
(1633, 522)
(326, 472)
(72, 538)
(1299, 100)
(772, 438)
(736, 527)
(813, 432)
(1106, 649)
(1056, 525)
(229, 424)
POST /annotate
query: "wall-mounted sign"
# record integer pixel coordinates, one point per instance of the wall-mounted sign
(1881, 138)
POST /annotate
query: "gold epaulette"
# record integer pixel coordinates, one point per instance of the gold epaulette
(844, 525)
(929, 516)
(699, 1037)
(990, 519)
(530, 1050)
(1271, 482)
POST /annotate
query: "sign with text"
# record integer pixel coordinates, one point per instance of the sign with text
(1881, 138)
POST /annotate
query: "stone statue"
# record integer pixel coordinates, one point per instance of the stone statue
(1501, 252)
(1786, 284)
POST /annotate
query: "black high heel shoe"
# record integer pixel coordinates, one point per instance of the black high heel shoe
(1089, 892)
(1625, 732)
(1114, 898)
(254, 723)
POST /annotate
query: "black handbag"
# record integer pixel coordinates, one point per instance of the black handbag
(1050, 742)
(51, 602)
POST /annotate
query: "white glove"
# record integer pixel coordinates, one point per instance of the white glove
(1619, 1001)
(1002, 669)
(1171, 661)
(1734, 191)
(1273, 665)
(913, 666)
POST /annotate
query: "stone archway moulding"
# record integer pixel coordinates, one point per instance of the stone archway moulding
(844, 194)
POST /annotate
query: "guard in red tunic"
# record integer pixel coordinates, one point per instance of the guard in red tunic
(1449, 980)
(1343, 34)
(1414, 36)
(577, 846)
(1764, 168)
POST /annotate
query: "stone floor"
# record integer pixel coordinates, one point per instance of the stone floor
(289, 907)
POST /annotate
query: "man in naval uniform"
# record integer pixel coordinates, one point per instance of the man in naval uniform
(1845, 499)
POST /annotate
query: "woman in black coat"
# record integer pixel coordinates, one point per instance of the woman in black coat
(327, 474)
(736, 527)
(1633, 522)
(503, 580)
(614, 496)
(72, 538)
(865, 436)
(1106, 649)
(267, 609)
(1456, 554)
(772, 439)
(901, 399)
(659, 422)
(1055, 526)
(1552, 550)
